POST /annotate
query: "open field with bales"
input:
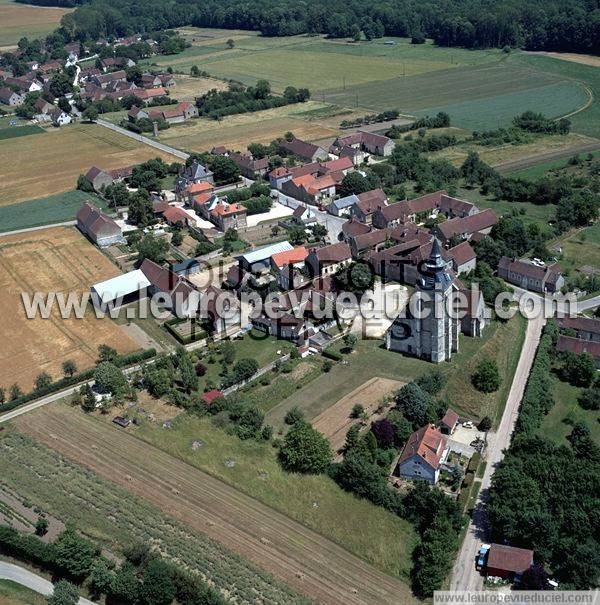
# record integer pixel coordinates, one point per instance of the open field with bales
(236, 132)
(18, 20)
(60, 156)
(58, 208)
(51, 260)
(273, 541)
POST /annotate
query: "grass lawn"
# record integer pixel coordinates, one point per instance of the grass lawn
(12, 593)
(364, 529)
(10, 132)
(566, 408)
(557, 165)
(580, 247)
(501, 342)
(46, 211)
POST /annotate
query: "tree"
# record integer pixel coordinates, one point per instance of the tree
(590, 399)
(69, 368)
(152, 248)
(101, 578)
(230, 43)
(227, 350)
(140, 207)
(90, 114)
(15, 392)
(195, 71)
(2, 395)
(485, 424)
(293, 415)
(352, 438)
(357, 410)
(297, 235)
(157, 587)
(578, 370)
(64, 593)
(304, 450)
(414, 403)
(402, 427)
(41, 526)
(75, 554)
(432, 382)
(354, 183)
(110, 379)
(189, 378)
(125, 586)
(42, 381)
(350, 340)
(88, 399)
(486, 377)
(245, 369)
(177, 237)
(106, 353)
(225, 170)
(60, 85)
(384, 432)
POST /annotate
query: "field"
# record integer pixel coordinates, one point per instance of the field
(535, 172)
(289, 550)
(236, 132)
(500, 341)
(566, 411)
(581, 247)
(18, 20)
(335, 421)
(12, 593)
(36, 166)
(11, 132)
(189, 88)
(58, 259)
(57, 208)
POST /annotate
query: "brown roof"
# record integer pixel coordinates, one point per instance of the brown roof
(450, 418)
(585, 324)
(296, 255)
(447, 204)
(371, 239)
(463, 253)
(93, 220)
(426, 202)
(509, 558)
(164, 280)
(300, 148)
(530, 270)
(428, 443)
(469, 224)
(352, 228)
(335, 253)
(578, 346)
(373, 200)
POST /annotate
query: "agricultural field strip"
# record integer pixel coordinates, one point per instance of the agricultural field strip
(327, 572)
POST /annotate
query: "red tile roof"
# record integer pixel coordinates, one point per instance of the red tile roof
(509, 558)
(373, 200)
(578, 346)
(335, 253)
(450, 418)
(175, 215)
(584, 324)
(463, 253)
(427, 443)
(199, 187)
(297, 255)
(470, 224)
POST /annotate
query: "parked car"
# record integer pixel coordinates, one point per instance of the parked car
(481, 558)
(468, 424)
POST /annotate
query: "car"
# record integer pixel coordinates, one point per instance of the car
(481, 558)
(476, 442)
(468, 424)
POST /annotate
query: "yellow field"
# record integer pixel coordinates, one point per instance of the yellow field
(60, 260)
(189, 88)
(236, 132)
(18, 20)
(44, 164)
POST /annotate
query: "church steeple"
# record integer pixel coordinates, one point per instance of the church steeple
(434, 271)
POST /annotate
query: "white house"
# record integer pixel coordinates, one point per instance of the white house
(423, 454)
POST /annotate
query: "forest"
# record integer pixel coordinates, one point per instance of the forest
(556, 25)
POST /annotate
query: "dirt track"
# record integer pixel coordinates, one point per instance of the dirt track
(297, 555)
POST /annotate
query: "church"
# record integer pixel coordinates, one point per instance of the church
(433, 333)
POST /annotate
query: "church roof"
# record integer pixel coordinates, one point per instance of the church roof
(434, 273)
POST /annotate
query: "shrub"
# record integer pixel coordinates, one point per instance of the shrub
(200, 369)
(294, 415)
(305, 450)
(486, 377)
(331, 354)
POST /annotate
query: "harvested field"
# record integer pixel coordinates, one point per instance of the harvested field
(314, 565)
(18, 20)
(51, 260)
(336, 420)
(61, 155)
(189, 88)
(236, 132)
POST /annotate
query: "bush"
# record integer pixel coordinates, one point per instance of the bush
(590, 399)
(305, 450)
(485, 424)
(294, 415)
(331, 354)
(486, 377)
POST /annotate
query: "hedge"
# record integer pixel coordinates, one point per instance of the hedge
(69, 381)
(184, 340)
(26, 547)
(331, 354)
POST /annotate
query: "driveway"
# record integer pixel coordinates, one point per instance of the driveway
(26, 578)
(464, 574)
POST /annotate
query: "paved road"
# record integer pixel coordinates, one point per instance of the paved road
(24, 577)
(534, 160)
(464, 574)
(142, 139)
(333, 223)
(582, 305)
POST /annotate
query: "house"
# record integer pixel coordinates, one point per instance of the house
(174, 216)
(144, 94)
(508, 562)
(259, 260)
(464, 228)
(424, 453)
(311, 189)
(328, 259)
(98, 178)
(50, 67)
(531, 277)
(42, 107)
(295, 257)
(10, 97)
(577, 346)
(303, 215)
(59, 117)
(304, 150)
(228, 216)
(150, 81)
(448, 422)
(194, 173)
(584, 328)
(370, 142)
(236, 278)
(103, 80)
(23, 84)
(286, 327)
(372, 240)
(249, 167)
(343, 206)
(464, 258)
(369, 202)
(99, 227)
(278, 176)
(173, 115)
(352, 228)
(187, 267)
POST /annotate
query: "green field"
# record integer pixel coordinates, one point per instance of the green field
(566, 408)
(10, 132)
(58, 208)
(580, 247)
(12, 593)
(540, 170)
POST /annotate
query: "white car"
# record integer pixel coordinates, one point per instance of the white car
(468, 424)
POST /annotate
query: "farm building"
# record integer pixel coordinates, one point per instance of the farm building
(125, 289)
(465, 227)
(187, 267)
(370, 142)
(327, 260)
(508, 562)
(368, 203)
(585, 328)
(259, 260)
(304, 150)
(99, 227)
(530, 276)
(423, 455)
(10, 97)
(578, 346)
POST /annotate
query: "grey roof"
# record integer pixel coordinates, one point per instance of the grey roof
(345, 202)
(266, 252)
(197, 171)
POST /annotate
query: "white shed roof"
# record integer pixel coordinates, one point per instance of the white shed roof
(122, 285)
(263, 253)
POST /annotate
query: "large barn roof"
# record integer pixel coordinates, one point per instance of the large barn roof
(121, 286)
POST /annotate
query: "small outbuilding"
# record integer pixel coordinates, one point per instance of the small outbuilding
(448, 422)
(508, 562)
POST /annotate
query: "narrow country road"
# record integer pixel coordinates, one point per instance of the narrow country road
(464, 574)
(38, 228)
(26, 578)
(142, 139)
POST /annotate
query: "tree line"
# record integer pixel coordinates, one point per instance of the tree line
(558, 25)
